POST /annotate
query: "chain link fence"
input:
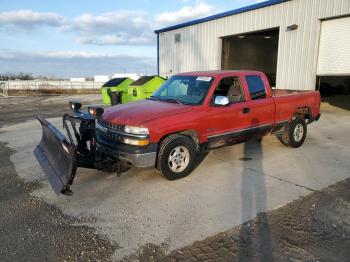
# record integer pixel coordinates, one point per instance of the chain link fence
(36, 87)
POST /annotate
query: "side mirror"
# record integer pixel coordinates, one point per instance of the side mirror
(221, 101)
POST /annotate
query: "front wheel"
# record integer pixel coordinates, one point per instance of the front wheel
(295, 134)
(176, 156)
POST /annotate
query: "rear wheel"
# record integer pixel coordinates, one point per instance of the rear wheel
(295, 134)
(176, 156)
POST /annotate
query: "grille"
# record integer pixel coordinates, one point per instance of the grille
(114, 137)
(110, 125)
(113, 132)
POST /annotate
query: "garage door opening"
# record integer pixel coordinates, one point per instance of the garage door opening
(335, 90)
(252, 51)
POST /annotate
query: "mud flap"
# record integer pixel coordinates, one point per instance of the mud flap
(57, 157)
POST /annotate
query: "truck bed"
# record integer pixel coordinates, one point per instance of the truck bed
(285, 92)
(287, 101)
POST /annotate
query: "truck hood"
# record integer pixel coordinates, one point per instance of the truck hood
(137, 113)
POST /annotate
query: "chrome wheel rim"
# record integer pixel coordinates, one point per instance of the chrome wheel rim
(178, 159)
(298, 132)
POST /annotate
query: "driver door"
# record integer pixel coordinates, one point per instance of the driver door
(227, 122)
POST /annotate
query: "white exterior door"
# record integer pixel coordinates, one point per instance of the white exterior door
(334, 52)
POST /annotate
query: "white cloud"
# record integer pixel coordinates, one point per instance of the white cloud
(10, 54)
(184, 14)
(28, 19)
(120, 21)
(74, 63)
(66, 54)
(123, 27)
(120, 39)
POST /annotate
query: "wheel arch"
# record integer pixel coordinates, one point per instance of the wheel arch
(303, 112)
(191, 133)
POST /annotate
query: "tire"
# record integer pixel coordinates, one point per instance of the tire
(295, 134)
(176, 157)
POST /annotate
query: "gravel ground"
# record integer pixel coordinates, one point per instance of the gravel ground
(313, 228)
(19, 109)
(30, 229)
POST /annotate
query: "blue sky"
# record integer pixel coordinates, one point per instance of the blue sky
(87, 37)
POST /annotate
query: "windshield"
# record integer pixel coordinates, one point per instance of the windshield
(190, 90)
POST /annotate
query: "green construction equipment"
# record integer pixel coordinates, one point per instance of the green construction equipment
(144, 87)
(115, 91)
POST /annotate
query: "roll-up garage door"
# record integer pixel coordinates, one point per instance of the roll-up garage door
(334, 52)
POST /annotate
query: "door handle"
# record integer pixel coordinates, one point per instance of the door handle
(246, 110)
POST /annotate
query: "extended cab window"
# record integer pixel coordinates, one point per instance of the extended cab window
(256, 87)
(230, 87)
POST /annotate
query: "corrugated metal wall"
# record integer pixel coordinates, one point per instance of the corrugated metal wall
(200, 48)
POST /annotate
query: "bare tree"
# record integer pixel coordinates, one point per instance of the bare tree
(16, 76)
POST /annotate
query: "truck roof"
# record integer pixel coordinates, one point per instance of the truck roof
(216, 73)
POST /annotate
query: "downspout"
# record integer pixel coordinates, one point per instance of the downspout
(157, 53)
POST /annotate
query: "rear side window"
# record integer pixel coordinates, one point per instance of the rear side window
(256, 87)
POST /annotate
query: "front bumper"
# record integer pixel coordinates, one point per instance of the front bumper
(138, 156)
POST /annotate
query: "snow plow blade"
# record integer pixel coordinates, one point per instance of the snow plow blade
(57, 157)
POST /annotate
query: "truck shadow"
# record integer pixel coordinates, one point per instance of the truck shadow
(123, 170)
(254, 238)
(200, 158)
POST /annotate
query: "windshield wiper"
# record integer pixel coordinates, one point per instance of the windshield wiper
(171, 100)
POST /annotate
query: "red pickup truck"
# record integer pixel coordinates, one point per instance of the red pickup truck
(189, 114)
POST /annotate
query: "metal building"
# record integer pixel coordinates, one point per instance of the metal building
(293, 41)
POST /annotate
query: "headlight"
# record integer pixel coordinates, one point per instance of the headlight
(95, 111)
(136, 130)
(74, 105)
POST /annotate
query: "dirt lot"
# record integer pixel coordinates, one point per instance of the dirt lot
(237, 206)
(20, 109)
(312, 228)
(30, 229)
